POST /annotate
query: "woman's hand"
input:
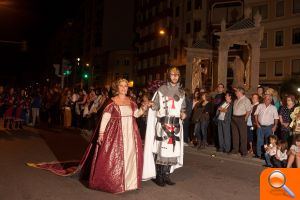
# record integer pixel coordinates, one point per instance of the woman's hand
(100, 139)
(150, 104)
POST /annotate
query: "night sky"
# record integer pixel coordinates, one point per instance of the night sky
(34, 21)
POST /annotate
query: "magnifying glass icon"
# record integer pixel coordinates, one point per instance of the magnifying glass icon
(277, 180)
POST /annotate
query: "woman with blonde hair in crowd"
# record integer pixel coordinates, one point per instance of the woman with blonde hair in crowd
(275, 97)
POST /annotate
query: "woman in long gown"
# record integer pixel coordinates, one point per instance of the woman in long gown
(117, 165)
(113, 161)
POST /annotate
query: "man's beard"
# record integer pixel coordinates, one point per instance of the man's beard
(174, 82)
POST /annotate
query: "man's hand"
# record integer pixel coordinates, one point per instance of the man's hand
(274, 128)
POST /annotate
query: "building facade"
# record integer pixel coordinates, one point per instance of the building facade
(280, 48)
(193, 24)
(120, 64)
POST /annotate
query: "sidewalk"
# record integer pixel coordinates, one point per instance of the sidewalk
(210, 151)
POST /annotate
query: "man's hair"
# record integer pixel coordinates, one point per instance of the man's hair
(221, 85)
(173, 69)
(241, 90)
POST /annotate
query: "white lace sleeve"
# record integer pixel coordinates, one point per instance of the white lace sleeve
(105, 119)
(138, 112)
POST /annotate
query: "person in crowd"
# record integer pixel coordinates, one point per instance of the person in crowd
(186, 121)
(88, 112)
(261, 92)
(142, 121)
(251, 123)
(10, 106)
(66, 103)
(218, 99)
(270, 150)
(285, 119)
(79, 108)
(275, 97)
(2, 105)
(294, 153)
(35, 108)
(266, 117)
(48, 105)
(223, 115)
(55, 108)
(220, 96)
(241, 112)
(201, 118)
(196, 99)
(20, 110)
(75, 97)
(280, 159)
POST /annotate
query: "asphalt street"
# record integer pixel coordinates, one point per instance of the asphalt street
(205, 176)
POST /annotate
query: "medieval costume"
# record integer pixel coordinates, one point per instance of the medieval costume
(115, 166)
(163, 151)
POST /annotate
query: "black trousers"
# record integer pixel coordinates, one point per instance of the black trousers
(239, 134)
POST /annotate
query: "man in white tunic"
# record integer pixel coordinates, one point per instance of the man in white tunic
(163, 151)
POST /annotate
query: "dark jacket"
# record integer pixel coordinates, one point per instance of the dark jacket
(202, 113)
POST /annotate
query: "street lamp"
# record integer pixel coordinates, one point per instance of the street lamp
(162, 32)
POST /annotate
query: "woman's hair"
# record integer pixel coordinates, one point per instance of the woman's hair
(229, 93)
(116, 84)
(194, 94)
(146, 94)
(283, 144)
(292, 97)
(273, 137)
(206, 95)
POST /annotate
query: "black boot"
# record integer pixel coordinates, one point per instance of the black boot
(159, 176)
(167, 175)
(16, 125)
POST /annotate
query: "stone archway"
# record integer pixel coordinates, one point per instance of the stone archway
(244, 32)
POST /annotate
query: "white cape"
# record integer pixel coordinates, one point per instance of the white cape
(149, 169)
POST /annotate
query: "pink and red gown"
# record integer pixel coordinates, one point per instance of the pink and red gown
(115, 166)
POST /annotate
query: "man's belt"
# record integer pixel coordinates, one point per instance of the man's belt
(168, 120)
(162, 139)
(266, 125)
